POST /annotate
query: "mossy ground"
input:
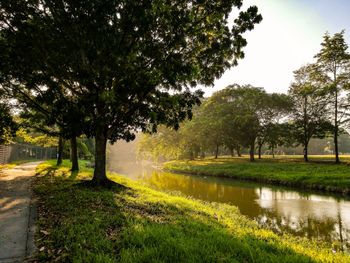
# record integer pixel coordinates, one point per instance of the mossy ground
(318, 174)
(134, 223)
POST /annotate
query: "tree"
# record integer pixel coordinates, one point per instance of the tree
(160, 146)
(333, 60)
(24, 135)
(274, 107)
(231, 136)
(210, 121)
(235, 116)
(249, 110)
(218, 127)
(193, 140)
(277, 134)
(241, 104)
(121, 59)
(8, 126)
(309, 114)
(54, 115)
(60, 151)
(38, 122)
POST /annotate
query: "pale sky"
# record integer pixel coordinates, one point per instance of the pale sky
(288, 37)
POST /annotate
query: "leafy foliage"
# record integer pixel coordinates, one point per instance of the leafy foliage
(316, 106)
(233, 117)
(309, 114)
(333, 60)
(126, 65)
(8, 126)
(24, 136)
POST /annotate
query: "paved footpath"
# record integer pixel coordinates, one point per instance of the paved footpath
(17, 213)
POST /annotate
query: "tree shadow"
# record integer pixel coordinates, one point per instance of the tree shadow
(185, 237)
(136, 230)
(107, 185)
(73, 175)
(78, 218)
(15, 196)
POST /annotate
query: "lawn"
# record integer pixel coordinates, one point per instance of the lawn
(320, 173)
(134, 223)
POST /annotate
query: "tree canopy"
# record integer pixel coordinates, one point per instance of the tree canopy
(233, 118)
(310, 101)
(333, 61)
(8, 126)
(128, 65)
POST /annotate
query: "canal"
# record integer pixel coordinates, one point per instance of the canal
(312, 215)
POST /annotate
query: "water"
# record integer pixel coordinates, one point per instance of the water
(301, 213)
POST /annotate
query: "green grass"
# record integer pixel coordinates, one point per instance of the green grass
(64, 169)
(137, 224)
(319, 174)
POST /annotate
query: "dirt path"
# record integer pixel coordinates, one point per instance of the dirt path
(16, 213)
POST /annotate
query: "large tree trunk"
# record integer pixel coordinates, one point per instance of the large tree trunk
(191, 157)
(336, 127)
(238, 152)
(306, 141)
(259, 150)
(337, 160)
(74, 154)
(251, 152)
(232, 152)
(196, 152)
(100, 177)
(217, 151)
(60, 151)
(306, 157)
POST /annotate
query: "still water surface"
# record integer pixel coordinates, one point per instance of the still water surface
(309, 214)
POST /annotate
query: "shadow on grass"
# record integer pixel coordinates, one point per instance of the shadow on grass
(46, 170)
(73, 175)
(83, 223)
(170, 235)
(108, 185)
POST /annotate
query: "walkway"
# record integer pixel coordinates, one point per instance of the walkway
(16, 213)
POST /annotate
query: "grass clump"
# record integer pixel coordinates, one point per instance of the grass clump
(316, 175)
(134, 223)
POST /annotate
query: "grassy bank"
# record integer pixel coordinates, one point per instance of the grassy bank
(318, 174)
(136, 224)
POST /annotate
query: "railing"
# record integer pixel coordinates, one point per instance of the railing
(16, 152)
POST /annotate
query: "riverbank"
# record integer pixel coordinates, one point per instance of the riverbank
(318, 174)
(137, 224)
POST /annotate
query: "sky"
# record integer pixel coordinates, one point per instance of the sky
(288, 37)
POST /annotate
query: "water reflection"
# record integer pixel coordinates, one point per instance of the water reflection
(305, 214)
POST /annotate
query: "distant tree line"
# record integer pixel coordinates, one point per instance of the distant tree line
(238, 117)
